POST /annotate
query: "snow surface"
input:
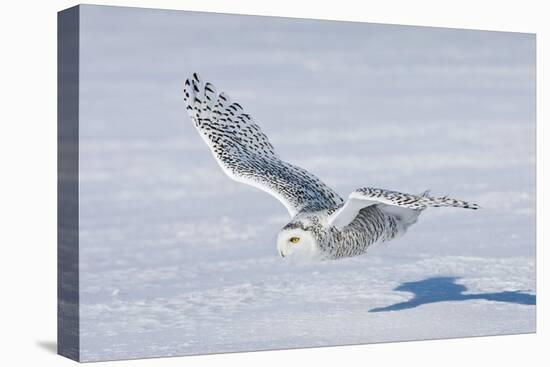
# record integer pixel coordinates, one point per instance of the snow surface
(177, 259)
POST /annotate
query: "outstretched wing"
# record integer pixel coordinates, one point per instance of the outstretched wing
(392, 202)
(245, 154)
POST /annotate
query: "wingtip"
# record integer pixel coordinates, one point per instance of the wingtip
(196, 77)
(472, 206)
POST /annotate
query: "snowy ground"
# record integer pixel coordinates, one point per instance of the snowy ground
(177, 259)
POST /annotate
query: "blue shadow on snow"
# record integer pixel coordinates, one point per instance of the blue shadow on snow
(442, 289)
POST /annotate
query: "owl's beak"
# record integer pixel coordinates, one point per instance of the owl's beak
(281, 253)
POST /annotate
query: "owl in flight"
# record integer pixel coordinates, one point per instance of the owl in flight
(322, 225)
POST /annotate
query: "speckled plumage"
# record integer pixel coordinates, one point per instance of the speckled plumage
(325, 226)
(245, 153)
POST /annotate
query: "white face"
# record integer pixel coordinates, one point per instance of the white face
(297, 244)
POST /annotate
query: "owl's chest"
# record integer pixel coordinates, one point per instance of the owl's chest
(369, 227)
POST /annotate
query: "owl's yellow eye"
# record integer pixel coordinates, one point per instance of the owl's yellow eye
(294, 239)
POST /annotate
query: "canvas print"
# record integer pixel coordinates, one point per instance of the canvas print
(239, 183)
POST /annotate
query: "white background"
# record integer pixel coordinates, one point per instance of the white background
(28, 185)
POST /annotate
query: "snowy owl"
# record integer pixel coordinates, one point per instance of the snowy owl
(323, 226)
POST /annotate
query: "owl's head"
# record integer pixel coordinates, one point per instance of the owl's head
(298, 242)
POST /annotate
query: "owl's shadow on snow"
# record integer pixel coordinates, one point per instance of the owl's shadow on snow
(444, 289)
